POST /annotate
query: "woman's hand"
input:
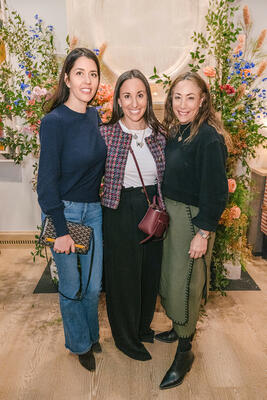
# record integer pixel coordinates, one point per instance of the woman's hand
(198, 246)
(64, 244)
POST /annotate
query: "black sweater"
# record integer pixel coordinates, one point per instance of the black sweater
(195, 174)
(72, 161)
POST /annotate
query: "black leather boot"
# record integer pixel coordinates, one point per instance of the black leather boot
(167, 337)
(181, 365)
(87, 360)
(96, 348)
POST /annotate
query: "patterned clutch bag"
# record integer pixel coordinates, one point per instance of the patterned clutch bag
(81, 234)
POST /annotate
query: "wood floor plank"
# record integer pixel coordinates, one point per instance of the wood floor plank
(230, 346)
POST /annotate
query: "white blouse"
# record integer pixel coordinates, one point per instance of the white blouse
(144, 158)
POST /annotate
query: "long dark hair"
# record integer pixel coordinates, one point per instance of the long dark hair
(62, 92)
(206, 112)
(149, 115)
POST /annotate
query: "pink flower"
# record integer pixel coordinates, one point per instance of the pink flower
(38, 92)
(235, 212)
(228, 89)
(231, 185)
(210, 72)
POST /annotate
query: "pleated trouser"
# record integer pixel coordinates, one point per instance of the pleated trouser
(184, 281)
(132, 271)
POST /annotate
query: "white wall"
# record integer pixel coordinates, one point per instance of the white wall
(52, 12)
(19, 209)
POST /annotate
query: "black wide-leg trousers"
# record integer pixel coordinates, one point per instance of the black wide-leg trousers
(132, 272)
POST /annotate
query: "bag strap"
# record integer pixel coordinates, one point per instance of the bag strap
(140, 175)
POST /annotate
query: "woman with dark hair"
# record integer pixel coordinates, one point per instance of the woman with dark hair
(132, 270)
(71, 166)
(195, 192)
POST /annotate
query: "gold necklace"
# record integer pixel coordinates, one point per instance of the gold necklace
(136, 136)
(180, 134)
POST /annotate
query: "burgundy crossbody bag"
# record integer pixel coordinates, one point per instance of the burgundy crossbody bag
(156, 220)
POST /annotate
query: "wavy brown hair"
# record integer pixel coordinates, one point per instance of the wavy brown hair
(62, 92)
(206, 112)
(149, 115)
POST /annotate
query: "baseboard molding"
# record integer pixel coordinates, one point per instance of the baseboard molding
(13, 239)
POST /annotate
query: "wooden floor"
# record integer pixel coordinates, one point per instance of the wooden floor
(230, 346)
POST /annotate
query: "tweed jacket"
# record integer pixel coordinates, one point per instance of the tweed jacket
(118, 145)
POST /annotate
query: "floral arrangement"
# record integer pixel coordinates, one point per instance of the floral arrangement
(27, 79)
(234, 65)
(236, 82)
(103, 101)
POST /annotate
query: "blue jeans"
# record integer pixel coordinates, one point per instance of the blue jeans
(80, 318)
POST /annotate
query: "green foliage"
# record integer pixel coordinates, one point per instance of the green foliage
(27, 78)
(236, 86)
(39, 247)
(163, 80)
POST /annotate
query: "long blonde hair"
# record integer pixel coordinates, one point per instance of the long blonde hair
(206, 112)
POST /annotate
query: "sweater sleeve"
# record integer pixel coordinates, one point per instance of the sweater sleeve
(213, 186)
(51, 141)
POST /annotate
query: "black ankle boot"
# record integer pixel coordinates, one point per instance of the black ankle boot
(167, 337)
(96, 348)
(87, 360)
(181, 365)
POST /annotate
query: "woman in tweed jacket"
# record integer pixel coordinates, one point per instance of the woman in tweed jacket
(132, 270)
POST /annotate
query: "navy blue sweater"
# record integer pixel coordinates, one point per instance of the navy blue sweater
(72, 161)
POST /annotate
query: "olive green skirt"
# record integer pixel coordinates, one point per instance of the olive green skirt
(184, 281)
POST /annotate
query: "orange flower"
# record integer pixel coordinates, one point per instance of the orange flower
(210, 72)
(231, 185)
(235, 212)
(246, 71)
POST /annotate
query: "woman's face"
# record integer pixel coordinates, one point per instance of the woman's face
(82, 82)
(133, 101)
(186, 100)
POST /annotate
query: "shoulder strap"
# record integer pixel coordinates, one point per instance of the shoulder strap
(139, 172)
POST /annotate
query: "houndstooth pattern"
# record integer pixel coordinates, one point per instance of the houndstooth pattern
(118, 145)
(81, 234)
